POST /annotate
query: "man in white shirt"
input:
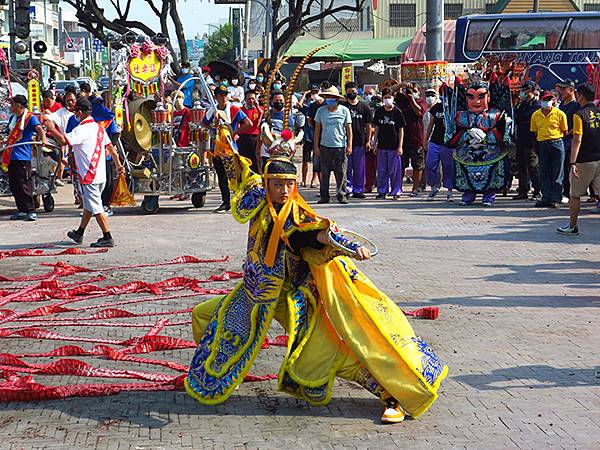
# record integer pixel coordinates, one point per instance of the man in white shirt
(89, 143)
(60, 118)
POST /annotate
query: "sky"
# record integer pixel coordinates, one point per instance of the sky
(194, 14)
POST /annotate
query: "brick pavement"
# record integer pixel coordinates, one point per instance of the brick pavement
(518, 328)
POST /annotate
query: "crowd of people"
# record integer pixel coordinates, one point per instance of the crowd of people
(368, 140)
(371, 141)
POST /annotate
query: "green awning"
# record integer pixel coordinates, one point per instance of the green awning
(350, 50)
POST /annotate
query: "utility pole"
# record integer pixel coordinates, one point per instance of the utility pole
(434, 42)
(246, 44)
(11, 33)
(321, 21)
(536, 6)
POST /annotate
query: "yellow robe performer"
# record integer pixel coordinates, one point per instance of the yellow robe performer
(339, 323)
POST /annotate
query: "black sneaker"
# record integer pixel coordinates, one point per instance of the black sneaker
(323, 201)
(520, 197)
(542, 204)
(342, 199)
(103, 242)
(380, 196)
(75, 236)
(224, 207)
(359, 195)
(554, 205)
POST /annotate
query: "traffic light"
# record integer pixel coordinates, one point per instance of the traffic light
(22, 19)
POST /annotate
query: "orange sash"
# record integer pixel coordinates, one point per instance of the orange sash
(15, 136)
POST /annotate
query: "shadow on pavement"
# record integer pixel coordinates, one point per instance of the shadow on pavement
(572, 273)
(531, 377)
(523, 301)
(159, 409)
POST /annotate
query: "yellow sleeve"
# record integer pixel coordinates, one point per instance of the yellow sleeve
(564, 127)
(533, 124)
(577, 125)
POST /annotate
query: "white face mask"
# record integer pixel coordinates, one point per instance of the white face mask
(234, 82)
(415, 95)
(185, 70)
(546, 104)
(388, 101)
(430, 100)
(252, 86)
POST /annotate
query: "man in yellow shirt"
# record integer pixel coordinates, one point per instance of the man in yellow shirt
(550, 125)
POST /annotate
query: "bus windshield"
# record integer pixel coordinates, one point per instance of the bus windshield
(511, 35)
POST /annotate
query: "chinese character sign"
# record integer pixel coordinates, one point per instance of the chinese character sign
(145, 67)
(347, 77)
(33, 94)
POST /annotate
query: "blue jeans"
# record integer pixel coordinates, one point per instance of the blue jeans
(551, 169)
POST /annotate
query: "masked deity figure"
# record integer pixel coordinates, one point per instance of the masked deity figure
(299, 271)
(481, 135)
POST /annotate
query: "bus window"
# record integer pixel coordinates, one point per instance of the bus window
(583, 34)
(511, 35)
(477, 34)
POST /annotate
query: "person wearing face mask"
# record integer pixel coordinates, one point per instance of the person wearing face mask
(260, 78)
(316, 101)
(436, 148)
(106, 119)
(550, 126)
(361, 140)
(333, 143)
(413, 109)
(236, 93)
(527, 159)
(90, 143)
(248, 140)
(235, 117)
(188, 89)
(388, 139)
(181, 121)
(568, 105)
(61, 119)
(370, 157)
(276, 115)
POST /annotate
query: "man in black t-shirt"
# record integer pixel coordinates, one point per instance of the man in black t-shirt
(568, 105)
(584, 162)
(389, 134)
(361, 141)
(436, 148)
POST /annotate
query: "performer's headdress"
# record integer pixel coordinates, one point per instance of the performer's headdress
(280, 166)
(283, 144)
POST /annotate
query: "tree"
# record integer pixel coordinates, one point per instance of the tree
(219, 45)
(92, 18)
(298, 14)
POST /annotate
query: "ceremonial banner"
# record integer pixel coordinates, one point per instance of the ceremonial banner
(347, 77)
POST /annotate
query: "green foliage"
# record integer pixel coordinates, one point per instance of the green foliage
(219, 45)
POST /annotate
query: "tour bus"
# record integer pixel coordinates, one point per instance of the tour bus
(561, 45)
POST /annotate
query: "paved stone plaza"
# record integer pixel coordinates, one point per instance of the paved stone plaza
(518, 328)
